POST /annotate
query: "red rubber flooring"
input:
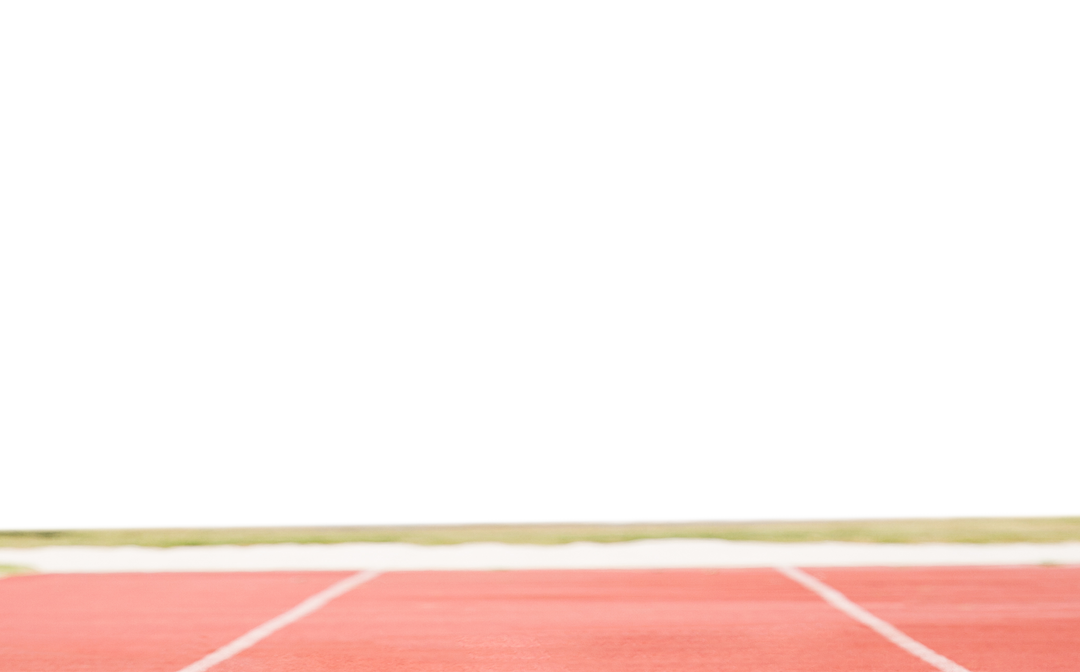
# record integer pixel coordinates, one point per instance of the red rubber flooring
(986, 619)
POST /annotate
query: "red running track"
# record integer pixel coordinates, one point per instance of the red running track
(1004, 619)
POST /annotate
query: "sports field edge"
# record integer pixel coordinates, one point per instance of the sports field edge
(1043, 527)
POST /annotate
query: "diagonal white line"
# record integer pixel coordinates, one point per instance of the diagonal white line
(268, 628)
(883, 628)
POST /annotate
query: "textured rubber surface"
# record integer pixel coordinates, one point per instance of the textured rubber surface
(988, 619)
(675, 620)
(137, 622)
(754, 620)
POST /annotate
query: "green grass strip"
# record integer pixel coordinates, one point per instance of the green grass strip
(950, 527)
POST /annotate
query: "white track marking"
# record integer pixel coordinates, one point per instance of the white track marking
(883, 628)
(268, 628)
(640, 554)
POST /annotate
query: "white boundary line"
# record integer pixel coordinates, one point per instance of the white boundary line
(641, 554)
(268, 628)
(883, 628)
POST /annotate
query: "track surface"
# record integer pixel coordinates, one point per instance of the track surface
(753, 620)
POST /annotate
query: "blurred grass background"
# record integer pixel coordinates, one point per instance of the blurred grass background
(957, 530)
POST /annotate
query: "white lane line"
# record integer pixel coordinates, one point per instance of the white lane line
(268, 628)
(883, 628)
